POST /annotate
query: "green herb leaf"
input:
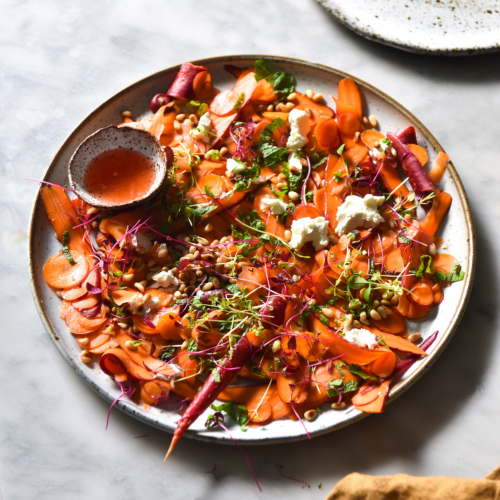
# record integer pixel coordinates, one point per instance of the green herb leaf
(357, 282)
(262, 70)
(340, 150)
(167, 353)
(65, 248)
(358, 371)
(423, 268)
(282, 82)
(239, 101)
(237, 412)
(453, 277)
(216, 375)
(269, 130)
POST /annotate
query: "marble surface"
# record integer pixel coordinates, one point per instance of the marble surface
(58, 61)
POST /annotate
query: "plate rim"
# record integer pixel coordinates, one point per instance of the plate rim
(393, 42)
(400, 387)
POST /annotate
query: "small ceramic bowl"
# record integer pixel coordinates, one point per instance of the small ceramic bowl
(106, 139)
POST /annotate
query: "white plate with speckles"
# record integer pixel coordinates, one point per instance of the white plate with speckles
(444, 27)
(458, 233)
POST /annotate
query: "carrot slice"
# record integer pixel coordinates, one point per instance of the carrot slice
(349, 123)
(263, 92)
(422, 293)
(326, 132)
(416, 311)
(394, 261)
(437, 294)
(166, 325)
(281, 409)
(63, 217)
(65, 305)
(444, 262)
(78, 324)
(435, 216)
(224, 103)
(164, 298)
(439, 167)
(349, 93)
(419, 152)
(371, 137)
(261, 414)
(87, 302)
(116, 362)
(293, 388)
(377, 406)
(59, 273)
(397, 342)
(395, 323)
(74, 294)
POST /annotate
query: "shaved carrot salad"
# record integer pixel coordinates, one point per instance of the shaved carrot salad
(276, 269)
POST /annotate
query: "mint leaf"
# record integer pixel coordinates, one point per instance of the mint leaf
(65, 248)
(358, 371)
(268, 131)
(237, 412)
(262, 70)
(357, 282)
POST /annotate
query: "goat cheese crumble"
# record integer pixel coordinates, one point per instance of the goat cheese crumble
(307, 229)
(166, 278)
(361, 337)
(359, 212)
(299, 123)
(276, 206)
(203, 130)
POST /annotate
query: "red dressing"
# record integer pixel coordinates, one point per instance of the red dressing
(119, 176)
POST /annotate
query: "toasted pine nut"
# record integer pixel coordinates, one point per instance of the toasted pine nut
(281, 185)
(94, 224)
(128, 277)
(291, 96)
(309, 112)
(162, 253)
(192, 250)
(194, 119)
(289, 106)
(432, 249)
(414, 337)
(180, 117)
(122, 325)
(338, 406)
(327, 312)
(356, 136)
(126, 114)
(130, 345)
(293, 195)
(373, 120)
(288, 235)
(177, 125)
(375, 315)
(85, 359)
(387, 295)
(365, 321)
(376, 303)
(178, 295)
(233, 281)
(310, 414)
(92, 211)
(270, 107)
(207, 286)
(84, 341)
(395, 300)
(362, 315)
(385, 302)
(151, 263)
(332, 238)
(184, 345)
(139, 287)
(365, 120)
(317, 97)
(381, 310)
(356, 323)
(310, 93)
(354, 305)
(408, 217)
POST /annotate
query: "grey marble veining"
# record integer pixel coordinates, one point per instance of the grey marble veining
(58, 61)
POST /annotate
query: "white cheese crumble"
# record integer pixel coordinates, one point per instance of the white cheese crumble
(276, 206)
(307, 229)
(140, 243)
(235, 166)
(299, 123)
(139, 306)
(379, 152)
(166, 278)
(204, 128)
(170, 376)
(294, 163)
(359, 212)
(362, 337)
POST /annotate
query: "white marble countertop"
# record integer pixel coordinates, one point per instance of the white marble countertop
(58, 61)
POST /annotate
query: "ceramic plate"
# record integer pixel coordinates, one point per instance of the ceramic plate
(458, 235)
(447, 27)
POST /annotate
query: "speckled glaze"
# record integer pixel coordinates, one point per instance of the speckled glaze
(445, 27)
(458, 233)
(106, 139)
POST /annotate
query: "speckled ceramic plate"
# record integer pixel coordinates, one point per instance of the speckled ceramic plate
(458, 235)
(446, 27)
